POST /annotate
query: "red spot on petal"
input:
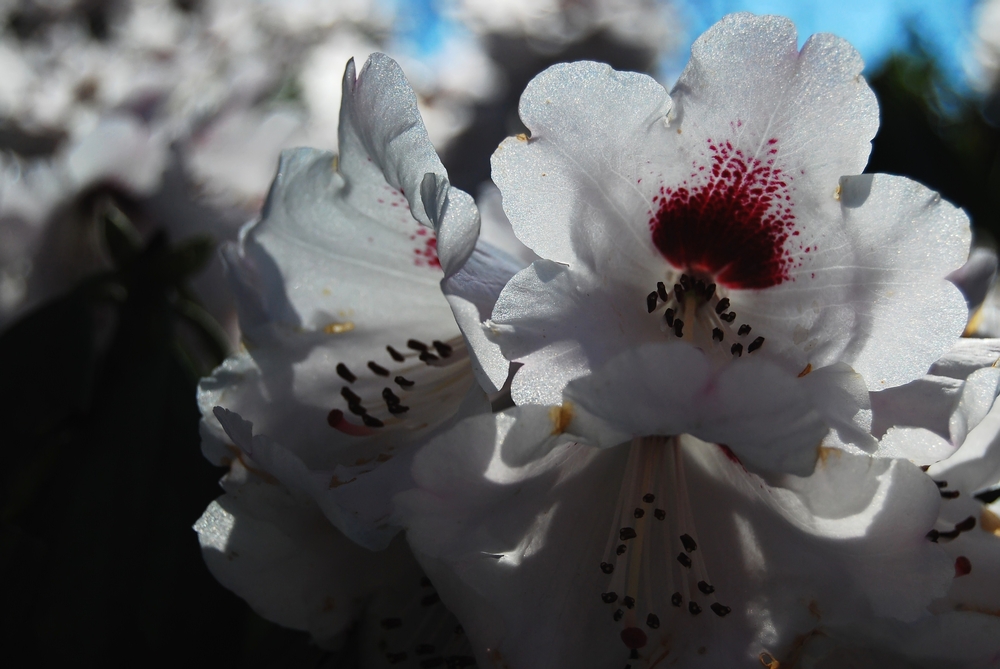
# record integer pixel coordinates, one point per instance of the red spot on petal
(337, 421)
(728, 452)
(427, 254)
(633, 637)
(962, 566)
(728, 225)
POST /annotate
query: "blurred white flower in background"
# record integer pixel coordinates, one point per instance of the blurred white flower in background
(182, 108)
(984, 60)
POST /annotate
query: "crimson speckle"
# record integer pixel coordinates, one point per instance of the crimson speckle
(426, 256)
(962, 566)
(728, 224)
(633, 638)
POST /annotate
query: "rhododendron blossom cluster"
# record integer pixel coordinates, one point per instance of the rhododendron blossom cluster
(720, 415)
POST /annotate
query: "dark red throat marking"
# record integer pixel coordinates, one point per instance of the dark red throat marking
(732, 224)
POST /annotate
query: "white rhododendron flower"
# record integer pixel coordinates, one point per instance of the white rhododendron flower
(352, 353)
(707, 266)
(661, 551)
(667, 550)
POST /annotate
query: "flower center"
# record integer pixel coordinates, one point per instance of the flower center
(652, 557)
(695, 312)
(385, 391)
(733, 221)
(419, 629)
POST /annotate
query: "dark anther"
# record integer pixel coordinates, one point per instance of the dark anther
(428, 357)
(430, 600)
(395, 658)
(694, 608)
(404, 382)
(676, 599)
(737, 349)
(661, 290)
(638, 513)
(706, 588)
(356, 409)
(679, 327)
(721, 610)
(722, 305)
(607, 567)
(686, 282)
(371, 421)
(628, 602)
(689, 544)
(389, 396)
(391, 623)
(609, 597)
(709, 291)
(633, 655)
(755, 344)
(699, 287)
(626, 533)
(619, 614)
(651, 302)
(431, 662)
(659, 514)
(345, 373)
(621, 549)
(377, 368)
(730, 317)
(652, 621)
(949, 494)
(668, 316)
(349, 395)
(397, 409)
(933, 535)
(941, 484)
(424, 649)
(966, 524)
(717, 334)
(744, 330)
(444, 350)
(649, 498)
(988, 496)
(684, 559)
(425, 582)
(678, 293)
(396, 355)
(416, 345)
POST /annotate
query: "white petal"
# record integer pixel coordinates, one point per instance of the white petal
(752, 406)
(841, 397)
(874, 508)
(908, 239)
(966, 356)
(927, 402)
(570, 190)
(472, 293)
(976, 464)
(916, 444)
(383, 141)
(978, 394)
(285, 559)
